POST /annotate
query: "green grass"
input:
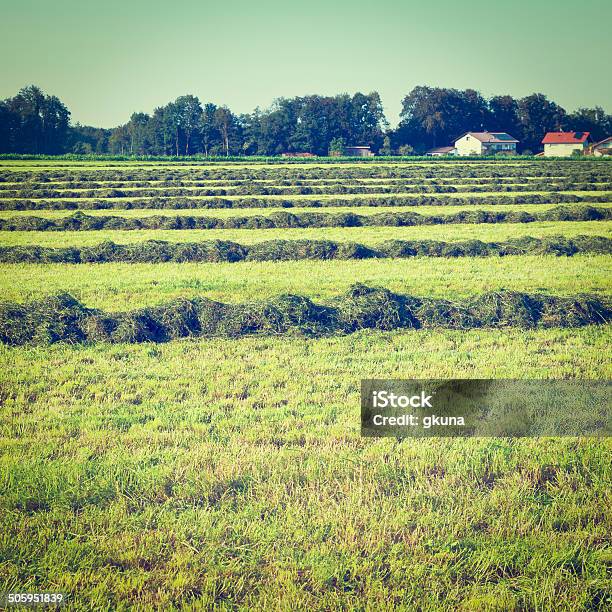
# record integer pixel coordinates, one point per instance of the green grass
(365, 235)
(122, 286)
(348, 196)
(224, 213)
(245, 163)
(230, 474)
(129, 477)
(60, 185)
(168, 190)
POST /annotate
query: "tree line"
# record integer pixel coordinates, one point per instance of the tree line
(34, 122)
(435, 116)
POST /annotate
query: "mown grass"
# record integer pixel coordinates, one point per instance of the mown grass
(310, 197)
(170, 190)
(101, 164)
(230, 474)
(237, 483)
(127, 184)
(365, 235)
(122, 286)
(225, 213)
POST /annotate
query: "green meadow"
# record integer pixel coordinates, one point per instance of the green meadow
(230, 474)
(248, 212)
(125, 285)
(366, 235)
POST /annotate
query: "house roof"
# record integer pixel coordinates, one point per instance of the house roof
(565, 137)
(488, 137)
(608, 139)
(441, 150)
(357, 147)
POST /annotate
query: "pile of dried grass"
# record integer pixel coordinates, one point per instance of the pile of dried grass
(282, 219)
(62, 318)
(159, 251)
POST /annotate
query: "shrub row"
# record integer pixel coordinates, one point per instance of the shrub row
(63, 318)
(159, 251)
(82, 222)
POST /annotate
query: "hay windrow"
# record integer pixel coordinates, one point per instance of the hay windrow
(62, 318)
(232, 188)
(159, 251)
(186, 203)
(116, 176)
(283, 219)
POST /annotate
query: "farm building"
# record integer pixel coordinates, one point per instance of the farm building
(485, 143)
(358, 152)
(564, 144)
(441, 151)
(290, 154)
(603, 147)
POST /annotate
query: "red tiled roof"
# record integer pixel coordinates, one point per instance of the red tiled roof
(565, 137)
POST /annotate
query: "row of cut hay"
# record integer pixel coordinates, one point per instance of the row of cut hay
(373, 170)
(334, 202)
(258, 189)
(589, 178)
(82, 222)
(159, 251)
(62, 318)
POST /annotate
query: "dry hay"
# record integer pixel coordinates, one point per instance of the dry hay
(282, 220)
(62, 318)
(159, 251)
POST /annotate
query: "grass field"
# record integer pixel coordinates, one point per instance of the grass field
(230, 474)
(246, 212)
(365, 235)
(121, 286)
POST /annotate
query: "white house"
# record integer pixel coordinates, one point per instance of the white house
(564, 144)
(485, 143)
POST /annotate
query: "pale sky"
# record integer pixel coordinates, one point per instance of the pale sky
(108, 59)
